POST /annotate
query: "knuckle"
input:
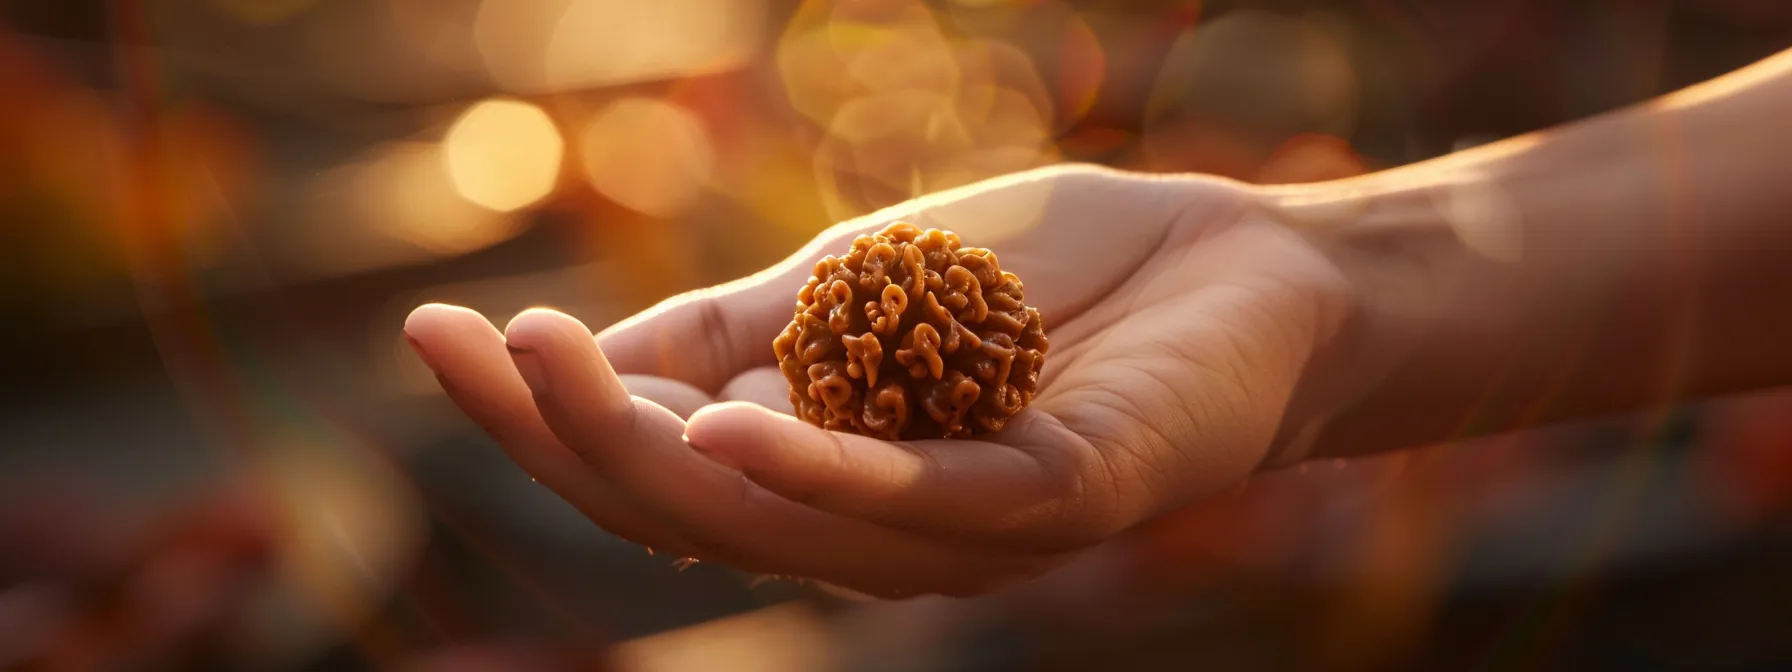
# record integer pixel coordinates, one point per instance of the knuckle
(717, 328)
(1101, 509)
(1086, 489)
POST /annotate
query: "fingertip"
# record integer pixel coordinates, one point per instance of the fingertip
(570, 378)
(432, 318)
(533, 326)
(802, 462)
(734, 433)
(720, 423)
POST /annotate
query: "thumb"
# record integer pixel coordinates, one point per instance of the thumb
(705, 337)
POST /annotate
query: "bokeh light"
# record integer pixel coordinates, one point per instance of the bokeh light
(647, 154)
(394, 205)
(441, 32)
(537, 46)
(1050, 41)
(829, 56)
(1081, 68)
(350, 525)
(905, 108)
(412, 196)
(1484, 217)
(1234, 88)
(503, 154)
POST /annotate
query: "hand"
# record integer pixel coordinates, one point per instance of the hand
(1180, 318)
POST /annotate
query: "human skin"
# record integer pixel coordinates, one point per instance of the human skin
(1201, 330)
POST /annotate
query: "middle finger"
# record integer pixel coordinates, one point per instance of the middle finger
(639, 447)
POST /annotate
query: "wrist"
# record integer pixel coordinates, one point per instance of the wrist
(1437, 294)
(1496, 289)
(1625, 262)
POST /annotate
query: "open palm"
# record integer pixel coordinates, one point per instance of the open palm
(1180, 318)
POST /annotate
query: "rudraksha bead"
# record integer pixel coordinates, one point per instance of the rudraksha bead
(909, 335)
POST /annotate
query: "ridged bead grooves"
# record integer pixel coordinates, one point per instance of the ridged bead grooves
(910, 335)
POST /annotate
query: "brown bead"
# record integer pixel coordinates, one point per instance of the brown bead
(909, 335)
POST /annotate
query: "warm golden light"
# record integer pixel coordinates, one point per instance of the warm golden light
(392, 206)
(503, 154)
(350, 532)
(540, 46)
(907, 109)
(649, 155)
(830, 56)
(411, 198)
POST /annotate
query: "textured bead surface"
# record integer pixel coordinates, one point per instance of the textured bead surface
(911, 336)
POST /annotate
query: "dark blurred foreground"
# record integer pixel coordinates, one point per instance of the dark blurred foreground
(215, 450)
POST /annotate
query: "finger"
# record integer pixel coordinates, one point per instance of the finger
(677, 397)
(469, 358)
(707, 336)
(1023, 486)
(765, 386)
(639, 447)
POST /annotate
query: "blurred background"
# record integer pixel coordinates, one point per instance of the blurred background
(216, 451)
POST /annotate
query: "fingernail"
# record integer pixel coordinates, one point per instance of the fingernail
(529, 367)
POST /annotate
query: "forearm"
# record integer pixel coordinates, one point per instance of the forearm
(1632, 260)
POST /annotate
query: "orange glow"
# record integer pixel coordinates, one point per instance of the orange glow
(649, 155)
(1081, 69)
(503, 154)
(1311, 157)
